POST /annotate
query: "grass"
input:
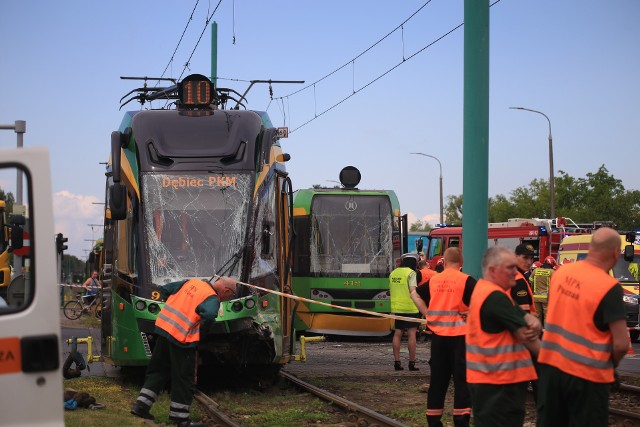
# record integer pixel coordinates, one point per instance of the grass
(277, 410)
(117, 396)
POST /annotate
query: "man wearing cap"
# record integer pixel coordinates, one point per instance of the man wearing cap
(177, 335)
(402, 281)
(521, 293)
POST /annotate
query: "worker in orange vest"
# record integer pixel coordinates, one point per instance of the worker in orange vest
(425, 272)
(501, 339)
(177, 334)
(444, 301)
(585, 338)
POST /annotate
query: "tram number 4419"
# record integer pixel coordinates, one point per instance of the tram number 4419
(283, 132)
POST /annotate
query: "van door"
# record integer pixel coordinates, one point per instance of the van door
(30, 372)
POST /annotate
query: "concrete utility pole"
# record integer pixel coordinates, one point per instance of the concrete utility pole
(441, 204)
(552, 185)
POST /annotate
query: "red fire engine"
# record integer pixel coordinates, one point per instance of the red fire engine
(544, 235)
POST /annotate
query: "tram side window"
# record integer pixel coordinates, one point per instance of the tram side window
(16, 286)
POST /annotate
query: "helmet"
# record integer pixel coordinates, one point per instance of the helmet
(551, 261)
(536, 264)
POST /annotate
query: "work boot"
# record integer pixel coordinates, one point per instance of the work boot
(397, 366)
(142, 411)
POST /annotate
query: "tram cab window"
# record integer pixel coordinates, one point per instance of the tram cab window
(16, 286)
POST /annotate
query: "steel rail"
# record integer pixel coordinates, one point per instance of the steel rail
(212, 409)
(363, 413)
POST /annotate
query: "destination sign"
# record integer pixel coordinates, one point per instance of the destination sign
(181, 182)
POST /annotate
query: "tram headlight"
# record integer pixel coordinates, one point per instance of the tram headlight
(154, 308)
(382, 296)
(141, 305)
(320, 294)
(250, 303)
(236, 306)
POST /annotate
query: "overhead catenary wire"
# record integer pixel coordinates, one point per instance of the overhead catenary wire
(352, 61)
(179, 41)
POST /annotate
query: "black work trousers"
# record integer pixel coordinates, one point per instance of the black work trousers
(448, 359)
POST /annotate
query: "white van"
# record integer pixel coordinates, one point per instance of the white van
(30, 368)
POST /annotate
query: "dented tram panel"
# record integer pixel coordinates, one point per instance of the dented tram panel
(205, 193)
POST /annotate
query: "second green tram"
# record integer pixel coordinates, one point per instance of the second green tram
(347, 242)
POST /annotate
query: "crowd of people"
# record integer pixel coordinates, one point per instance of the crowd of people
(560, 331)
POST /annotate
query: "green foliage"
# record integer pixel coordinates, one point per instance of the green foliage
(599, 196)
(453, 210)
(73, 269)
(9, 200)
(420, 225)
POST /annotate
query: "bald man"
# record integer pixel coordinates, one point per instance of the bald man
(177, 335)
(585, 338)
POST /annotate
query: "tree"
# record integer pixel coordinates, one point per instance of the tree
(453, 210)
(597, 197)
(9, 200)
(419, 225)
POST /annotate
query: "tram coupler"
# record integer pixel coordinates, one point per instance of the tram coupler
(302, 357)
(74, 341)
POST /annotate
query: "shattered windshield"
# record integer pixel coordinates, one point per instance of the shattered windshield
(626, 271)
(351, 235)
(194, 225)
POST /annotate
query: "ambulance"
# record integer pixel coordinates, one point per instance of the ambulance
(575, 248)
(30, 369)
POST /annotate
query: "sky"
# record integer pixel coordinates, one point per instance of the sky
(577, 61)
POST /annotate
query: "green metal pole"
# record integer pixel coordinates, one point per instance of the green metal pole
(214, 53)
(475, 184)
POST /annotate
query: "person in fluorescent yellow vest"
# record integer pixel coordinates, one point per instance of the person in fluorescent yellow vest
(402, 281)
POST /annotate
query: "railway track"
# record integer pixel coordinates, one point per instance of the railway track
(355, 414)
(628, 397)
(362, 416)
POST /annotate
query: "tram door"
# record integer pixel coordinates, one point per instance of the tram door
(30, 371)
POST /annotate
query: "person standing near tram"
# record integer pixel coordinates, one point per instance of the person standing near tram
(92, 286)
(444, 301)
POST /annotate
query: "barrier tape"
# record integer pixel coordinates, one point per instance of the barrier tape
(356, 310)
(297, 298)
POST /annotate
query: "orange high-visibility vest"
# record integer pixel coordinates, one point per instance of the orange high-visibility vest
(529, 308)
(178, 317)
(571, 340)
(445, 305)
(494, 358)
(427, 274)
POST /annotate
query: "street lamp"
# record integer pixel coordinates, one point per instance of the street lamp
(440, 164)
(552, 191)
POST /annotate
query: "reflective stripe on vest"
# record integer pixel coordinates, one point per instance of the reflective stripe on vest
(571, 341)
(445, 304)
(401, 301)
(494, 358)
(178, 317)
(540, 280)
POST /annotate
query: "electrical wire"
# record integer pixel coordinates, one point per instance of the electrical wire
(404, 60)
(180, 41)
(186, 65)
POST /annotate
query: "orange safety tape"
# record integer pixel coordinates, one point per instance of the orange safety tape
(356, 310)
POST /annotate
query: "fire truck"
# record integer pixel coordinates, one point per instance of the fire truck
(545, 235)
